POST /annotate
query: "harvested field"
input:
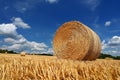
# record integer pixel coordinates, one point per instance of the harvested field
(32, 67)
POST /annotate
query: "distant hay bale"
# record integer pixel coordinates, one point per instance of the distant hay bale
(23, 53)
(108, 58)
(74, 40)
(33, 54)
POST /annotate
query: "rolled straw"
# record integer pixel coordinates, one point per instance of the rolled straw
(74, 40)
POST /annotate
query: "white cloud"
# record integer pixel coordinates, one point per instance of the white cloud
(13, 41)
(50, 51)
(51, 1)
(112, 46)
(37, 46)
(107, 23)
(19, 22)
(104, 45)
(8, 30)
(22, 44)
(91, 4)
(17, 42)
(114, 41)
(15, 47)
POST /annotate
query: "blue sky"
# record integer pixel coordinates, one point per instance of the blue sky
(30, 25)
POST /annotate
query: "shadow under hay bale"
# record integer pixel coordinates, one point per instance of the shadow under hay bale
(74, 40)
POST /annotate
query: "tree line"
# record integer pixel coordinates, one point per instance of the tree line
(7, 51)
(102, 55)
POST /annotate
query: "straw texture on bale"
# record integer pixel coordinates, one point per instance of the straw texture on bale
(74, 40)
(23, 53)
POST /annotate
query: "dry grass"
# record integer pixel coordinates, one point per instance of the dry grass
(32, 67)
(74, 40)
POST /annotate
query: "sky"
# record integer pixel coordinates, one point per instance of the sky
(30, 25)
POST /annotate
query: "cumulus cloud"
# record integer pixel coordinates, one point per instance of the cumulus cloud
(112, 46)
(115, 41)
(8, 30)
(50, 51)
(17, 42)
(21, 40)
(104, 45)
(37, 46)
(107, 23)
(51, 1)
(25, 45)
(19, 22)
(20, 43)
(91, 4)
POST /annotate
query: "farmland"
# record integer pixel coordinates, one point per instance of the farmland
(33, 67)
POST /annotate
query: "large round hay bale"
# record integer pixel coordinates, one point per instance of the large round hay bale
(23, 53)
(74, 40)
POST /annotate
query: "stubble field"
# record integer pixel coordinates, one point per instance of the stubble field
(33, 67)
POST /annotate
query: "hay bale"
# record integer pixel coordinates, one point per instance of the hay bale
(23, 53)
(74, 40)
(33, 54)
(108, 58)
